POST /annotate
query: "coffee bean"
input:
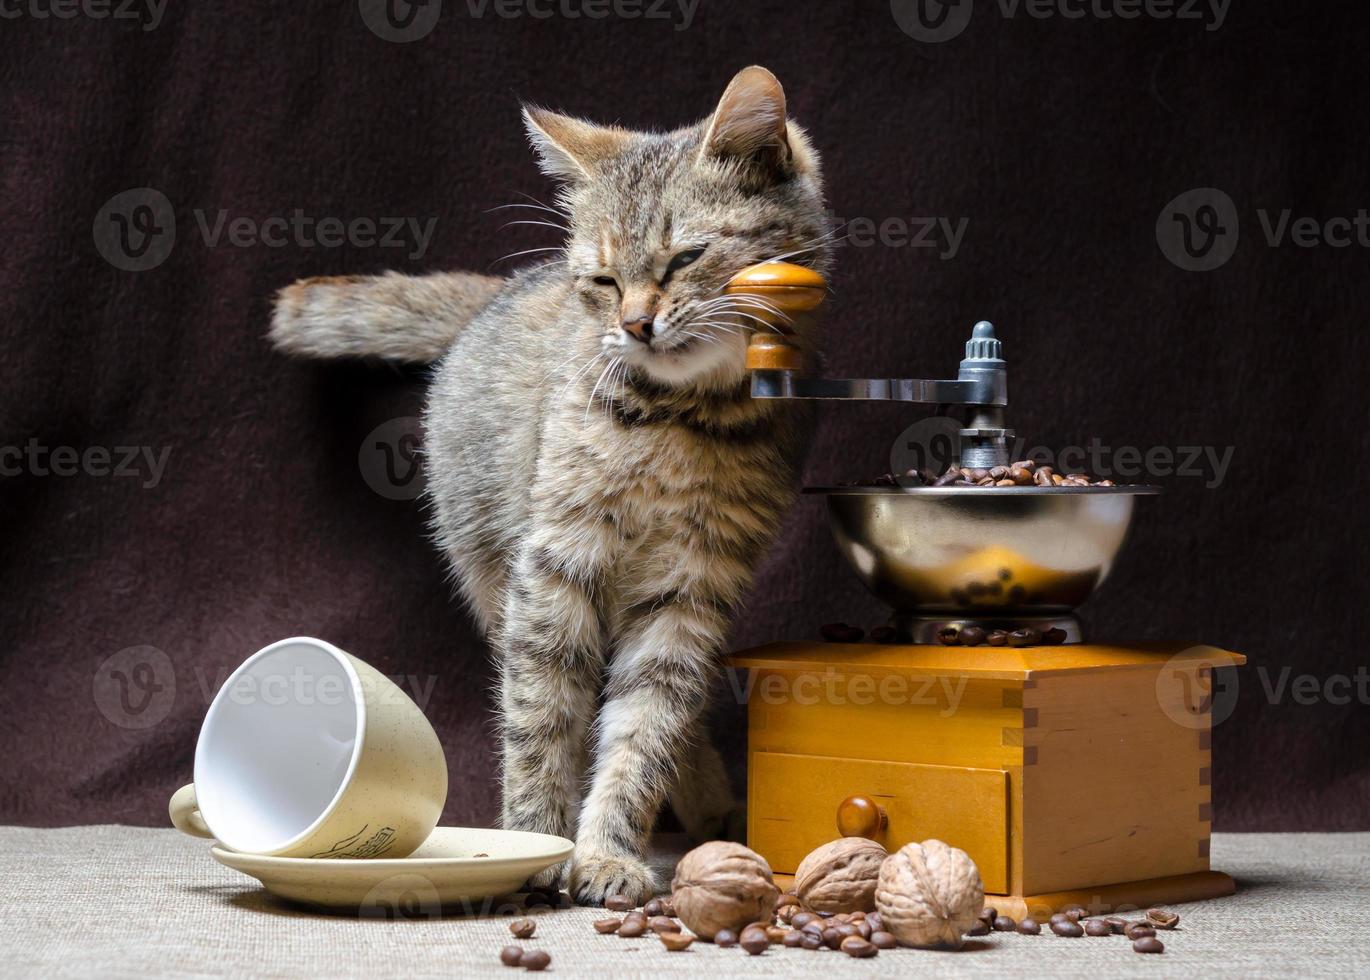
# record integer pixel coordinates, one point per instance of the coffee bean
(841, 633)
(606, 926)
(981, 928)
(826, 915)
(725, 937)
(535, 960)
(800, 919)
(816, 927)
(883, 634)
(997, 638)
(859, 948)
(809, 941)
(663, 923)
(1148, 944)
(1162, 918)
(1054, 635)
(786, 911)
(1026, 637)
(832, 938)
(883, 940)
(675, 941)
(1139, 930)
(668, 905)
(619, 903)
(1042, 478)
(856, 916)
(1074, 912)
(1022, 477)
(947, 478)
(949, 637)
(1057, 480)
(1117, 924)
(511, 955)
(632, 928)
(754, 942)
(999, 472)
(863, 929)
(972, 636)
(976, 475)
(1105, 483)
(793, 938)
(1004, 924)
(652, 908)
(1029, 927)
(1068, 929)
(776, 934)
(1097, 927)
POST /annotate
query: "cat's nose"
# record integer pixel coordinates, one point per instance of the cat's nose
(639, 328)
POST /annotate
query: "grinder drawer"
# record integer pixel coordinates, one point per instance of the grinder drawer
(793, 803)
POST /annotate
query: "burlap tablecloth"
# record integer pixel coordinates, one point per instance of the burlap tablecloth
(111, 901)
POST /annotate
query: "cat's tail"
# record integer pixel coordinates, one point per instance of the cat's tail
(396, 317)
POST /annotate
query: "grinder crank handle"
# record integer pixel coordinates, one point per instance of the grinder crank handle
(778, 291)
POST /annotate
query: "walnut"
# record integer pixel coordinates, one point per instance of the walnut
(929, 894)
(840, 876)
(721, 885)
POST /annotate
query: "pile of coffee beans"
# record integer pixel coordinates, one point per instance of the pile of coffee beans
(1074, 922)
(532, 959)
(974, 636)
(858, 934)
(1024, 473)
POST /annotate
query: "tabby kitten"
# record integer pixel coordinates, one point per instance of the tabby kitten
(600, 479)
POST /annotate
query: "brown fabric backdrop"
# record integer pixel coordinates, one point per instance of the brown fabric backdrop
(1059, 140)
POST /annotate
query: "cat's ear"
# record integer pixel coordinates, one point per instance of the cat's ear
(749, 125)
(568, 148)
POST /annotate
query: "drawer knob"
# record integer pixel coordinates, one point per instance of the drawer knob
(860, 816)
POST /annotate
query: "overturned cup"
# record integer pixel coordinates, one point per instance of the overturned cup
(306, 751)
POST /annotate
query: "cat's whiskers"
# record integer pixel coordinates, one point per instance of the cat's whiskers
(529, 251)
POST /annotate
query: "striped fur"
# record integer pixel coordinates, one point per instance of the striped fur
(603, 501)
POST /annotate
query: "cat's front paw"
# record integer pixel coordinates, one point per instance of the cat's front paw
(549, 879)
(594, 877)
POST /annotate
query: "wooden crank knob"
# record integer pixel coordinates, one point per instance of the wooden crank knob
(860, 816)
(774, 293)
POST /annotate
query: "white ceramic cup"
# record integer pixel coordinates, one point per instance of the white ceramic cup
(306, 751)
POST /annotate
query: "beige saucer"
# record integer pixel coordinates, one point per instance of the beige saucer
(444, 871)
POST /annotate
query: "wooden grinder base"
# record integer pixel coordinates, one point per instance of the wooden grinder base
(1072, 775)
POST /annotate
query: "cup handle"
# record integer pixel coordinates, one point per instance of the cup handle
(185, 813)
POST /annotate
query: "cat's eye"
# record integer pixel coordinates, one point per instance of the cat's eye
(606, 281)
(681, 260)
